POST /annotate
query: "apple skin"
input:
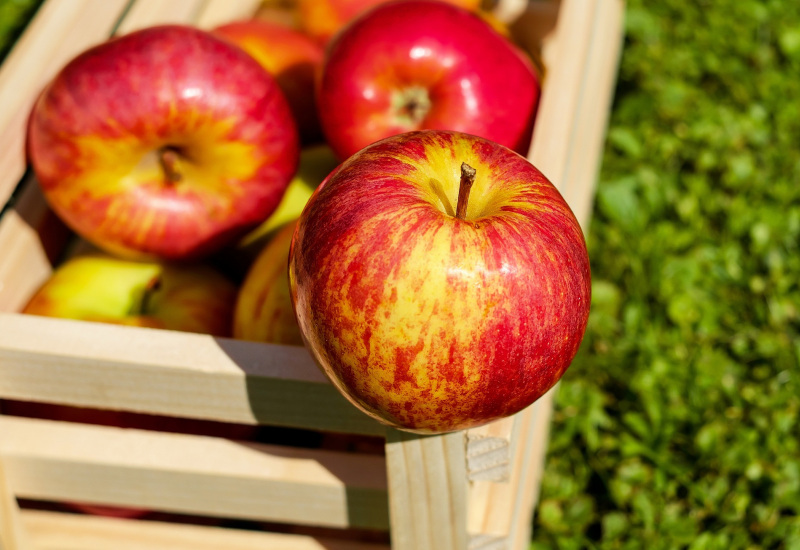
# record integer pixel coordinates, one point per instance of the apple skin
(99, 132)
(322, 19)
(263, 311)
(292, 57)
(102, 288)
(425, 64)
(427, 322)
(316, 162)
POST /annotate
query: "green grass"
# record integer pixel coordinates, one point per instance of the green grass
(677, 425)
(14, 15)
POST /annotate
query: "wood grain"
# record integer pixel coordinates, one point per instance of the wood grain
(219, 12)
(146, 13)
(170, 373)
(54, 531)
(209, 476)
(12, 533)
(427, 491)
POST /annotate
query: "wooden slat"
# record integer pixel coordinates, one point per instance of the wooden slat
(210, 476)
(527, 491)
(54, 531)
(594, 106)
(489, 450)
(12, 533)
(568, 131)
(170, 373)
(219, 12)
(58, 32)
(427, 491)
(145, 13)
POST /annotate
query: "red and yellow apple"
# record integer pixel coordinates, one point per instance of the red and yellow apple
(292, 57)
(167, 143)
(263, 311)
(104, 288)
(440, 281)
(322, 19)
(425, 64)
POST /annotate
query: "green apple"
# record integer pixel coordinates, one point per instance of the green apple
(103, 288)
(316, 162)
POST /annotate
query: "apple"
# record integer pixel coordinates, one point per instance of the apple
(292, 57)
(263, 311)
(167, 143)
(103, 288)
(322, 19)
(425, 64)
(440, 281)
(316, 162)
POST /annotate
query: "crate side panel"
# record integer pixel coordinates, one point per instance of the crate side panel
(188, 474)
(170, 373)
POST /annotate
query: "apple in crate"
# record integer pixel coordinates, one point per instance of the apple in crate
(425, 64)
(104, 288)
(167, 142)
(292, 57)
(322, 19)
(263, 311)
(440, 281)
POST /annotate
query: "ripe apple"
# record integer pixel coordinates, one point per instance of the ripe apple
(263, 311)
(167, 142)
(425, 64)
(322, 19)
(316, 162)
(431, 307)
(103, 288)
(292, 57)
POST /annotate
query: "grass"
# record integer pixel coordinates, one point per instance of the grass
(677, 425)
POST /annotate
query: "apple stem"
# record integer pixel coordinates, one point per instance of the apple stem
(467, 179)
(152, 286)
(168, 157)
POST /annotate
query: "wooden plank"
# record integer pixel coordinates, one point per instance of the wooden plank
(170, 373)
(491, 504)
(219, 12)
(597, 86)
(12, 533)
(146, 13)
(209, 476)
(427, 490)
(527, 492)
(54, 531)
(59, 31)
(489, 450)
(579, 81)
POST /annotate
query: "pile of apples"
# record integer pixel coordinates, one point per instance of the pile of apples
(356, 184)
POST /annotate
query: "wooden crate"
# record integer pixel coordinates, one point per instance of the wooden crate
(474, 489)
